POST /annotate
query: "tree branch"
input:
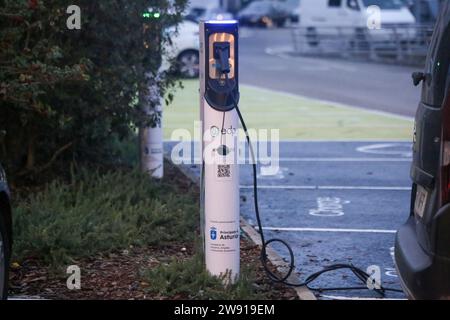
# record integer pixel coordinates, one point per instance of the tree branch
(12, 16)
(48, 164)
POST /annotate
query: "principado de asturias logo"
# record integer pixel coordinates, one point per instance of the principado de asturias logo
(213, 233)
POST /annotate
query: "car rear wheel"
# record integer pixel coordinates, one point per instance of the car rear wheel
(4, 259)
(189, 64)
(281, 22)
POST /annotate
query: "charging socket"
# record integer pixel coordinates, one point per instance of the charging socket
(219, 56)
(222, 56)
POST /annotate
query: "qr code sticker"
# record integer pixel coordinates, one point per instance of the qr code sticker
(224, 171)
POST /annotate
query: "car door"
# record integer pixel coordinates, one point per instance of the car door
(336, 13)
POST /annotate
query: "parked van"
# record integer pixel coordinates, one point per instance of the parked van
(5, 234)
(422, 246)
(324, 18)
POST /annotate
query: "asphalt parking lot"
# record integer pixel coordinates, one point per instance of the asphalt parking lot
(335, 202)
(373, 86)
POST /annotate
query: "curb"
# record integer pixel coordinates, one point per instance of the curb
(303, 293)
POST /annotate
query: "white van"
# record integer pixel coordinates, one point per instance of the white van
(322, 18)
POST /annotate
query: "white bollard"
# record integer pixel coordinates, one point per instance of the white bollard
(151, 140)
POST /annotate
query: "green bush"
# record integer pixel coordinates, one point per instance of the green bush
(65, 94)
(99, 213)
(190, 280)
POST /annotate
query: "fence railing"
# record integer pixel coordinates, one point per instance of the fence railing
(406, 44)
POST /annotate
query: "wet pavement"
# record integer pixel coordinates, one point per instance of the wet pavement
(334, 202)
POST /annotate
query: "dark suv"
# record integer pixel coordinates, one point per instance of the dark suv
(422, 249)
(5, 234)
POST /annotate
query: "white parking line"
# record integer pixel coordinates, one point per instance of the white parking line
(297, 140)
(285, 187)
(386, 149)
(353, 298)
(356, 159)
(26, 298)
(344, 140)
(330, 230)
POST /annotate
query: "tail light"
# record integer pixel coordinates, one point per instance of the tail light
(445, 173)
(444, 167)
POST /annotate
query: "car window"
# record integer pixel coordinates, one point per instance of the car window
(385, 4)
(335, 3)
(197, 12)
(258, 7)
(438, 63)
(353, 4)
(433, 7)
(279, 7)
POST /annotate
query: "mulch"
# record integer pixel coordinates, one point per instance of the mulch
(117, 275)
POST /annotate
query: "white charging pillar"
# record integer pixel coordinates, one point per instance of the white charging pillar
(220, 169)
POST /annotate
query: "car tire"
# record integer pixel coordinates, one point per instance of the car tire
(4, 258)
(280, 23)
(189, 64)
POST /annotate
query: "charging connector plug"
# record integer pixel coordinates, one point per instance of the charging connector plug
(222, 56)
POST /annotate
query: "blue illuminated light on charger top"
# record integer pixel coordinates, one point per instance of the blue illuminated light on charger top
(222, 21)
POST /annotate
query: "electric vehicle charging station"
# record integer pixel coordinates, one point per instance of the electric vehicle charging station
(219, 92)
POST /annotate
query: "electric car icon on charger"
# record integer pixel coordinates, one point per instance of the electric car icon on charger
(422, 248)
(5, 234)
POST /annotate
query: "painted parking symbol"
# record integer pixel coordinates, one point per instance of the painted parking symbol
(391, 272)
(329, 207)
(270, 173)
(391, 149)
